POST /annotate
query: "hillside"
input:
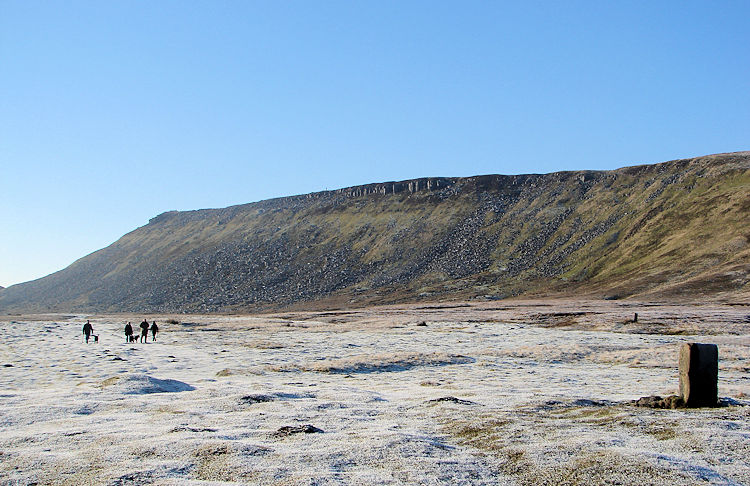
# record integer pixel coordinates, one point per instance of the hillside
(677, 229)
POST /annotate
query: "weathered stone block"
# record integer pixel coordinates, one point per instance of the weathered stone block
(699, 374)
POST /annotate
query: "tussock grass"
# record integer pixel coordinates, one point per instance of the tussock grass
(572, 463)
(214, 463)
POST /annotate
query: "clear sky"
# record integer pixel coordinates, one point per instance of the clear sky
(112, 112)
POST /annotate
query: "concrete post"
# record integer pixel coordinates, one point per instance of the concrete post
(699, 374)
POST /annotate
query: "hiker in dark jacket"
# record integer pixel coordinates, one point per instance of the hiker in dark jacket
(144, 331)
(128, 332)
(154, 330)
(87, 330)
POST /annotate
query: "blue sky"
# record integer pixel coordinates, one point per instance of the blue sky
(113, 112)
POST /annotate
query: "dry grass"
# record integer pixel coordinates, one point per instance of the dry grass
(265, 344)
(567, 462)
(213, 463)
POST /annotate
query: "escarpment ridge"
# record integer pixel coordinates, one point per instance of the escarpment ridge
(677, 229)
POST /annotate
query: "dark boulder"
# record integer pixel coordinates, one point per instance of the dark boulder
(297, 429)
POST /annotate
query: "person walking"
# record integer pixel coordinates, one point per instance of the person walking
(154, 330)
(88, 329)
(128, 333)
(144, 331)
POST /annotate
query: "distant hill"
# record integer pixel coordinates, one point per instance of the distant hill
(677, 229)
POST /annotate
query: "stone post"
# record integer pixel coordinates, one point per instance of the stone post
(699, 374)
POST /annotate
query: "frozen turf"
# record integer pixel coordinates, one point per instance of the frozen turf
(373, 398)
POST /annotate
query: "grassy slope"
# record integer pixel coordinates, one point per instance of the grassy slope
(689, 235)
(672, 229)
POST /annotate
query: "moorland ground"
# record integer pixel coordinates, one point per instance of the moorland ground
(505, 392)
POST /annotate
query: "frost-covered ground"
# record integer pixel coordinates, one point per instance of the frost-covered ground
(521, 393)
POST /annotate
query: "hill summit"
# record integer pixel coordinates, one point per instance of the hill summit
(677, 229)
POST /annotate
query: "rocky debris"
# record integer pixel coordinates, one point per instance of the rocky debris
(655, 401)
(458, 401)
(676, 401)
(258, 398)
(288, 430)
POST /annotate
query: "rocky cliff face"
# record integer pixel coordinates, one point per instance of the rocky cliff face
(674, 229)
